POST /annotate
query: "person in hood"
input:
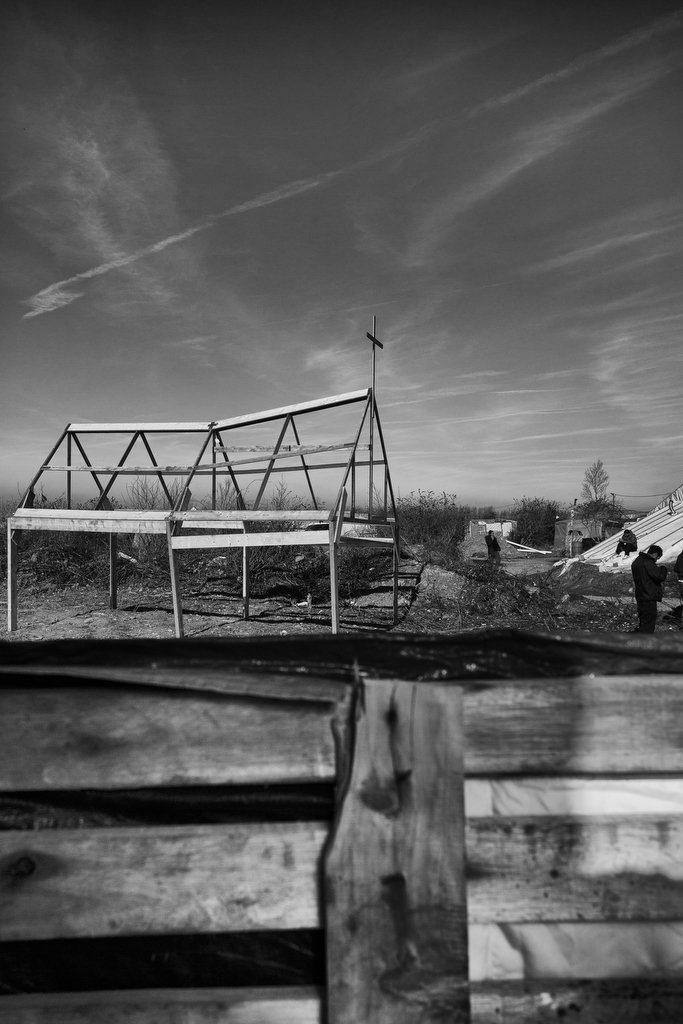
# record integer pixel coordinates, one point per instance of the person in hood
(628, 543)
(493, 547)
(648, 578)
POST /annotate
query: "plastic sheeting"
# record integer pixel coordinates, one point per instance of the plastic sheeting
(575, 950)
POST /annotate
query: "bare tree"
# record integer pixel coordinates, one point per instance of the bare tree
(595, 482)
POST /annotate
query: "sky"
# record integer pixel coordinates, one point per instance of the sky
(204, 205)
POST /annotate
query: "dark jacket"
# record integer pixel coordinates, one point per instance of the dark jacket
(492, 544)
(648, 578)
(679, 566)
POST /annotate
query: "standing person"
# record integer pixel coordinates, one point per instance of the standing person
(648, 578)
(493, 547)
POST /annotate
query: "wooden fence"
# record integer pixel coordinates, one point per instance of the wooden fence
(243, 832)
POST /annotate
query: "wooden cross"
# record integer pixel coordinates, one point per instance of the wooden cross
(375, 342)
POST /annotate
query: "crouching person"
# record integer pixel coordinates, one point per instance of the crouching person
(648, 578)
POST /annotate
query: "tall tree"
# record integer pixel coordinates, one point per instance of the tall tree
(595, 482)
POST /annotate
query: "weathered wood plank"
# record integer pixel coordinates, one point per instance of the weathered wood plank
(556, 869)
(105, 521)
(144, 428)
(69, 738)
(251, 515)
(475, 659)
(289, 538)
(170, 1006)
(621, 1001)
(394, 876)
(67, 883)
(288, 410)
(581, 725)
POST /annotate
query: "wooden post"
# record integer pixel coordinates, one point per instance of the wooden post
(113, 570)
(396, 560)
(12, 556)
(395, 898)
(334, 581)
(246, 579)
(175, 582)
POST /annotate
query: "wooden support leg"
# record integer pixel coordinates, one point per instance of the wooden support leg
(334, 581)
(175, 583)
(113, 570)
(12, 556)
(396, 564)
(395, 896)
(246, 582)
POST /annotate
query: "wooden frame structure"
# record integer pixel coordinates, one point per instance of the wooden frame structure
(357, 513)
(105, 745)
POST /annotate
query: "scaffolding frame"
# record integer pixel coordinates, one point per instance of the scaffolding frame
(246, 526)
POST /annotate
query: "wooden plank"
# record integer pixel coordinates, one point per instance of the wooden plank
(288, 538)
(65, 883)
(148, 428)
(12, 565)
(113, 571)
(295, 1005)
(578, 725)
(285, 451)
(288, 410)
(114, 515)
(618, 1001)
(71, 738)
(394, 877)
(218, 517)
(576, 869)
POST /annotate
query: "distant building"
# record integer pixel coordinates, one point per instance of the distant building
(574, 536)
(502, 527)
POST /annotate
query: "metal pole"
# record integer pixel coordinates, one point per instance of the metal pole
(372, 423)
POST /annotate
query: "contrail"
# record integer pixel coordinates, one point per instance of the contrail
(627, 42)
(60, 293)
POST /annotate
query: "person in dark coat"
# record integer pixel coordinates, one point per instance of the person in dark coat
(678, 568)
(628, 543)
(648, 578)
(493, 547)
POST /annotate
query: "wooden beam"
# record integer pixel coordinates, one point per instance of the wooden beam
(396, 916)
(74, 737)
(175, 582)
(217, 518)
(113, 570)
(12, 565)
(288, 410)
(617, 1001)
(288, 538)
(575, 869)
(148, 428)
(295, 1005)
(163, 880)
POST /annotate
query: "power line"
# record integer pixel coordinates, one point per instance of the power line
(662, 494)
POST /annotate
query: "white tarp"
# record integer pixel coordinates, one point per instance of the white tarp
(662, 526)
(576, 949)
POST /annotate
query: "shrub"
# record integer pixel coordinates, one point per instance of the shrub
(434, 522)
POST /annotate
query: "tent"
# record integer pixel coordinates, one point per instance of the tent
(662, 526)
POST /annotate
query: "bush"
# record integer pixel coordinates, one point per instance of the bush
(434, 522)
(536, 519)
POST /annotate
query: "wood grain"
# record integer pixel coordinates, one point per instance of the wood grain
(395, 889)
(149, 1006)
(134, 881)
(77, 738)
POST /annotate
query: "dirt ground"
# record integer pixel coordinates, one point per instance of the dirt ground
(526, 592)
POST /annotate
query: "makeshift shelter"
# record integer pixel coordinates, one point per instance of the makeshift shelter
(571, 535)
(334, 445)
(662, 526)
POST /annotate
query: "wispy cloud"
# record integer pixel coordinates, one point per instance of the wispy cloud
(659, 27)
(526, 149)
(61, 292)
